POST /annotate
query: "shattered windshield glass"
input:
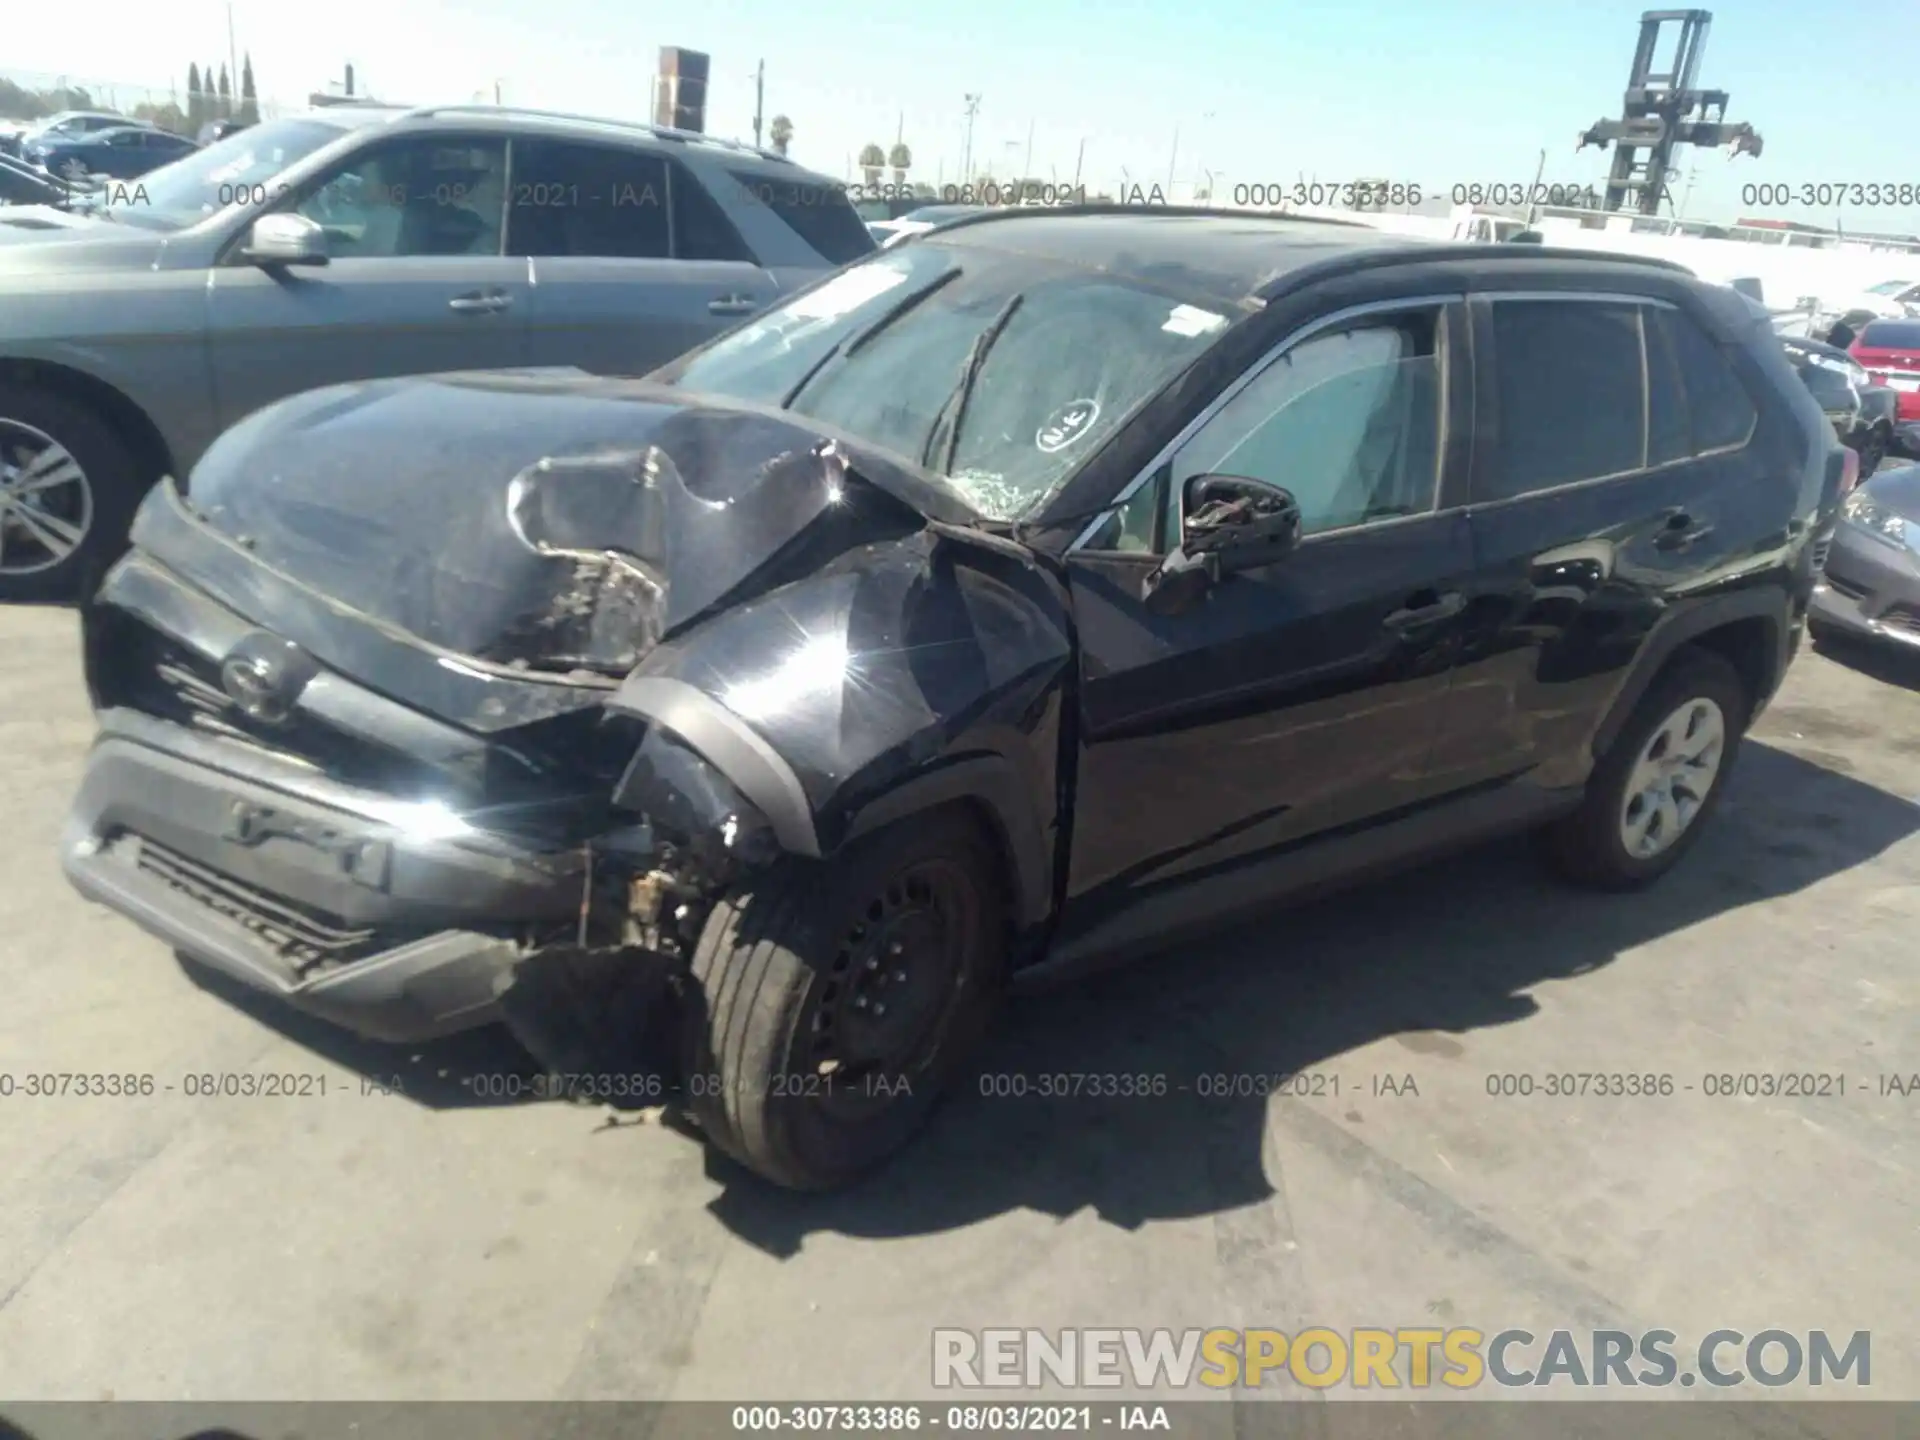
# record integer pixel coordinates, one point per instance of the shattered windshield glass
(890, 351)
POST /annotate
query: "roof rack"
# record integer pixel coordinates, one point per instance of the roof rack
(658, 132)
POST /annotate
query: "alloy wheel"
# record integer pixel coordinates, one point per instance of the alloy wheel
(46, 505)
(1676, 772)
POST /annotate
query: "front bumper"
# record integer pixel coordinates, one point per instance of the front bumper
(401, 923)
(1869, 588)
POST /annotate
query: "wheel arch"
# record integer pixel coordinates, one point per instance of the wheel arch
(1746, 629)
(989, 785)
(132, 424)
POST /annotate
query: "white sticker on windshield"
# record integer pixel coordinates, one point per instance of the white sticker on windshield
(1190, 320)
(847, 292)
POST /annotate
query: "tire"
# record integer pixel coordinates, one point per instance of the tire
(771, 1054)
(97, 508)
(1590, 847)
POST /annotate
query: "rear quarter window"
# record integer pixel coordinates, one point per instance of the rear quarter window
(821, 214)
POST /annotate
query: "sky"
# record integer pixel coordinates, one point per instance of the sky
(1429, 92)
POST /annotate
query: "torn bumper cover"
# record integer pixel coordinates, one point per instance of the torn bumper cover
(400, 922)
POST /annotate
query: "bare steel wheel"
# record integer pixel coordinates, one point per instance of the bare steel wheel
(1657, 784)
(900, 973)
(1673, 777)
(831, 1005)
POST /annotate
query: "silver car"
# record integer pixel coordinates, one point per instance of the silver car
(354, 243)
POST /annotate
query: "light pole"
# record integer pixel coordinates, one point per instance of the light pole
(759, 99)
(966, 158)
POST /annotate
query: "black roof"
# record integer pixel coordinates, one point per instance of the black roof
(1233, 255)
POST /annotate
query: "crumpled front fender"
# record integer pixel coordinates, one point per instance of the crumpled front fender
(927, 671)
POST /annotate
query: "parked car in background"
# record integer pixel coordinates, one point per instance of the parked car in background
(126, 153)
(1865, 414)
(355, 242)
(1043, 591)
(220, 129)
(66, 125)
(876, 208)
(1889, 350)
(1870, 585)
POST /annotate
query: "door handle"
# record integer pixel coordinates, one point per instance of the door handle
(1680, 533)
(481, 302)
(1429, 610)
(732, 305)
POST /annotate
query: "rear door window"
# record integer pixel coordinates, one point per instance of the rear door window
(1696, 402)
(588, 200)
(1572, 395)
(821, 215)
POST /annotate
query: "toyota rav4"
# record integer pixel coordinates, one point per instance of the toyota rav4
(1032, 593)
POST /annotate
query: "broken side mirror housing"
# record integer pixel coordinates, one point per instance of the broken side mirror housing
(1233, 523)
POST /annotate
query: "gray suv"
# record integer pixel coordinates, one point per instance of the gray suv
(352, 243)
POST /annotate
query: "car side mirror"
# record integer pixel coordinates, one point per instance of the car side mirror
(285, 240)
(1233, 523)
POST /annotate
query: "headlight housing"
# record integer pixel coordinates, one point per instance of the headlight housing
(1861, 509)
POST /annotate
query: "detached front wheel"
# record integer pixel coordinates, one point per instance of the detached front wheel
(832, 1005)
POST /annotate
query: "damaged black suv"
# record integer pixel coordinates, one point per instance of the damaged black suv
(1026, 595)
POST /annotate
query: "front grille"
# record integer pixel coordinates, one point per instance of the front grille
(150, 673)
(305, 938)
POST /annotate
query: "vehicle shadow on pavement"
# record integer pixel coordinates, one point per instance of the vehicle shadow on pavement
(1425, 956)
(1884, 662)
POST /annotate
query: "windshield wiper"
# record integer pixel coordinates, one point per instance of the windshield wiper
(847, 344)
(956, 401)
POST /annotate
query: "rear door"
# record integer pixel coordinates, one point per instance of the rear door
(416, 284)
(633, 262)
(1295, 701)
(1607, 484)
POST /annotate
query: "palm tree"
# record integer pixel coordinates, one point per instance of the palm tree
(782, 134)
(873, 160)
(901, 159)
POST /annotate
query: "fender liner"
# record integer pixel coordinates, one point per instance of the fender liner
(756, 769)
(992, 782)
(1770, 604)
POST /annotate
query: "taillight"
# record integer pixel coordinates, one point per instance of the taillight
(1849, 470)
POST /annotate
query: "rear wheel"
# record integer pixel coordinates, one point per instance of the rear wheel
(832, 1005)
(68, 488)
(1655, 788)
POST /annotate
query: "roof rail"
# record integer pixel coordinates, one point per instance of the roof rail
(659, 132)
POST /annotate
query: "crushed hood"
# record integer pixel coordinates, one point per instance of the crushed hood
(545, 520)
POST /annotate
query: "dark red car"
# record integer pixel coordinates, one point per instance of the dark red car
(1890, 350)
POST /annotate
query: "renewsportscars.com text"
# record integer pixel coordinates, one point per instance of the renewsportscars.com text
(1414, 1358)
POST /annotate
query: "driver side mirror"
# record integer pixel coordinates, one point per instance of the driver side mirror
(1232, 523)
(285, 240)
